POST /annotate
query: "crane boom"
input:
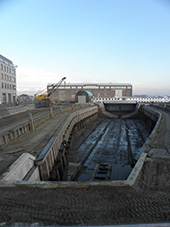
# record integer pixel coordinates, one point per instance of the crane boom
(43, 100)
(55, 86)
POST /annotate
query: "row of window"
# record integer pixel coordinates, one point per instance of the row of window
(6, 62)
(90, 87)
(7, 69)
(8, 78)
(8, 86)
(11, 98)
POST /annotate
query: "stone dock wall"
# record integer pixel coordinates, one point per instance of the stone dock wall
(56, 151)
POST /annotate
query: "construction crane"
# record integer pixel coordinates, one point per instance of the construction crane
(42, 98)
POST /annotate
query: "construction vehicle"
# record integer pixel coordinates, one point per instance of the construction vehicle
(42, 98)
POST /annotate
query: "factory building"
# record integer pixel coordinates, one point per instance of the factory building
(67, 92)
(7, 81)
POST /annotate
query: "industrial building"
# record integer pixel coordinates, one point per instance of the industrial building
(7, 81)
(67, 92)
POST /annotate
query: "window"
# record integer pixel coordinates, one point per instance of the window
(13, 79)
(13, 72)
(9, 70)
(6, 62)
(7, 77)
(2, 85)
(4, 97)
(118, 87)
(7, 86)
(2, 76)
(1, 59)
(13, 87)
(4, 68)
(90, 87)
(10, 86)
(1, 66)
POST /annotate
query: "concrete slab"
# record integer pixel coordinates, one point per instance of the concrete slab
(4, 112)
(18, 170)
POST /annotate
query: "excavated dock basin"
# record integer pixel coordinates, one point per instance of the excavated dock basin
(148, 201)
(107, 148)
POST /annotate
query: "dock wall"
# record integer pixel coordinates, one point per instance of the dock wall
(58, 147)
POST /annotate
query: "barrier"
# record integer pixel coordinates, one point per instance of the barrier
(20, 168)
(22, 129)
(47, 158)
(156, 117)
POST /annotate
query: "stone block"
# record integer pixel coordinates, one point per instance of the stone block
(18, 170)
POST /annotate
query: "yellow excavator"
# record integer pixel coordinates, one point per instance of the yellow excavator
(42, 98)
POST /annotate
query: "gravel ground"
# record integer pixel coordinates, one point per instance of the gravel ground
(84, 206)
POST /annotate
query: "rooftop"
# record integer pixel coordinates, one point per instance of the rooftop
(6, 61)
(94, 84)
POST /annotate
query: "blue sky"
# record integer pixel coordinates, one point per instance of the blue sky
(115, 41)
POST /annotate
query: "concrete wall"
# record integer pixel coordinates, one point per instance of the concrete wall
(3, 111)
(28, 169)
(149, 116)
(120, 108)
(153, 120)
(20, 168)
(60, 142)
(22, 129)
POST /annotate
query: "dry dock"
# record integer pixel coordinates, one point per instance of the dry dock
(148, 201)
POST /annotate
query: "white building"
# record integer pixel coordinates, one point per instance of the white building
(7, 82)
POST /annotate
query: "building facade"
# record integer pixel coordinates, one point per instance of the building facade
(67, 92)
(7, 81)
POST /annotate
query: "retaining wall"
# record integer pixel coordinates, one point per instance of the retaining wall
(153, 120)
(20, 169)
(58, 146)
(47, 158)
(22, 129)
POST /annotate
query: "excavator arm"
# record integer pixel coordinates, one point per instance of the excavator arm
(41, 99)
(55, 86)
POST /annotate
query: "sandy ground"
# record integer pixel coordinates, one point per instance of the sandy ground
(148, 201)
